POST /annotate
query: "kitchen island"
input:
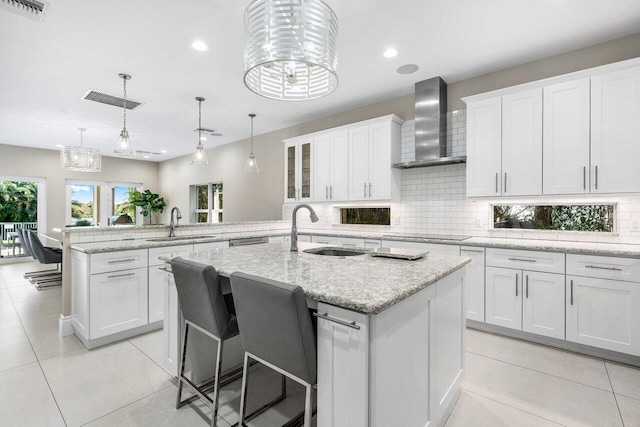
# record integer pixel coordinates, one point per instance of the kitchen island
(390, 332)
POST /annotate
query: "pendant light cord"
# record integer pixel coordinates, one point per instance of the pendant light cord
(252, 116)
(124, 79)
(81, 138)
(199, 124)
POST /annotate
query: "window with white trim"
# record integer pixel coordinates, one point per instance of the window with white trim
(207, 203)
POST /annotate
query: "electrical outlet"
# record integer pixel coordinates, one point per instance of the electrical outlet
(397, 220)
(635, 225)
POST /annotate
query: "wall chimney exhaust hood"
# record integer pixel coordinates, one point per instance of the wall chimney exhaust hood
(431, 126)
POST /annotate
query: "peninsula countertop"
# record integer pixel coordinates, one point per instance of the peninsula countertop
(362, 283)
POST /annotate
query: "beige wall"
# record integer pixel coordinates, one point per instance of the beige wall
(35, 162)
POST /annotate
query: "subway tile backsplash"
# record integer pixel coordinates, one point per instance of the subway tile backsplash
(434, 202)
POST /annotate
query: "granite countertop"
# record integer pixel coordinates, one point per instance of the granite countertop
(362, 283)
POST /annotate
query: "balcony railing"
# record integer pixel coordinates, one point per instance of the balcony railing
(8, 227)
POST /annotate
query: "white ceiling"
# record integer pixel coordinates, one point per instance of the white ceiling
(46, 67)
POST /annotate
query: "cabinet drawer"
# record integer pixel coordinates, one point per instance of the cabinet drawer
(548, 262)
(350, 242)
(155, 253)
(324, 239)
(210, 245)
(116, 261)
(627, 269)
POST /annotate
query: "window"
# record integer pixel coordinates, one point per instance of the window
(598, 218)
(92, 203)
(207, 202)
(123, 212)
(84, 204)
(21, 207)
(371, 216)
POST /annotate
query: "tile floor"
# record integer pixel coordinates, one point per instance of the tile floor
(46, 380)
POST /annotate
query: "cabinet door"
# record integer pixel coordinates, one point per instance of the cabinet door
(475, 283)
(117, 302)
(339, 186)
(603, 313)
(566, 127)
(543, 304)
(504, 297)
(343, 369)
(290, 179)
(484, 142)
(358, 162)
(615, 132)
(379, 184)
(305, 170)
(321, 167)
(522, 143)
(157, 286)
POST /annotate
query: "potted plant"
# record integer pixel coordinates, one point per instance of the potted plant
(148, 203)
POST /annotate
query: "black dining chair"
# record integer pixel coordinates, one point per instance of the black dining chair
(45, 255)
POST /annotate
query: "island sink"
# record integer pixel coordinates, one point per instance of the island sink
(339, 252)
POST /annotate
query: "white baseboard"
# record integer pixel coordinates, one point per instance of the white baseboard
(64, 326)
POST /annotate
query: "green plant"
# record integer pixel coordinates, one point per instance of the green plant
(147, 201)
(18, 201)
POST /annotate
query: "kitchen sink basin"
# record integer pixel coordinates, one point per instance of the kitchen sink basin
(339, 252)
(178, 238)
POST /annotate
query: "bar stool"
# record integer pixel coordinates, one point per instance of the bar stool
(203, 308)
(45, 255)
(276, 330)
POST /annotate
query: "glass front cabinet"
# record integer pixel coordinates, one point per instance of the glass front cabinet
(298, 175)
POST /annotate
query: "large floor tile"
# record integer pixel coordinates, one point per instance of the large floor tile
(151, 344)
(565, 402)
(8, 315)
(46, 341)
(46, 310)
(583, 369)
(28, 293)
(25, 398)
(625, 379)
(630, 410)
(15, 349)
(478, 411)
(159, 410)
(88, 385)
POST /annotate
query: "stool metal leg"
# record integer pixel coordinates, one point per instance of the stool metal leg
(216, 385)
(243, 390)
(181, 370)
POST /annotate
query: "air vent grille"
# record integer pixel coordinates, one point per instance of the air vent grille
(29, 8)
(210, 132)
(148, 152)
(104, 98)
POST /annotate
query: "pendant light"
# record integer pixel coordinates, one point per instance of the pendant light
(290, 49)
(252, 164)
(199, 157)
(81, 159)
(123, 149)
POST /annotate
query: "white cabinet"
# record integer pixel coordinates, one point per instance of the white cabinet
(117, 301)
(615, 132)
(484, 148)
(373, 148)
(327, 240)
(350, 242)
(604, 313)
(504, 305)
(565, 151)
(298, 169)
(543, 304)
(522, 143)
(157, 286)
(331, 166)
(475, 282)
(435, 248)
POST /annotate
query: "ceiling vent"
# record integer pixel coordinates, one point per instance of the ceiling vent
(29, 8)
(209, 132)
(116, 101)
(148, 152)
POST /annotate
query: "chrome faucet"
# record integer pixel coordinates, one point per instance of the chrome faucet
(294, 229)
(172, 225)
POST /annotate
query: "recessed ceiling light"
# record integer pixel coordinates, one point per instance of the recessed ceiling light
(163, 151)
(202, 138)
(59, 145)
(407, 69)
(390, 53)
(146, 157)
(200, 46)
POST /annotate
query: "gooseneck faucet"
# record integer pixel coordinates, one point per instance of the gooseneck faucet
(294, 229)
(172, 225)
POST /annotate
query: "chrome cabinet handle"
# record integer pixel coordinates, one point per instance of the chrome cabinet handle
(522, 260)
(471, 250)
(584, 177)
(166, 270)
(603, 268)
(348, 244)
(325, 316)
(121, 260)
(369, 190)
(596, 177)
(516, 285)
(527, 287)
(572, 292)
(505, 183)
(497, 182)
(326, 192)
(365, 189)
(113, 276)
(331, 192)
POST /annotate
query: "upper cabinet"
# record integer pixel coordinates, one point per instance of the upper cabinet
(615, 132)
(573, 134)
(298, 172)
(349, 163)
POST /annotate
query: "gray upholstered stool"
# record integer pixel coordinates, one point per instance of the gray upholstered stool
(45, 255)
(276, 330)
(203, 308)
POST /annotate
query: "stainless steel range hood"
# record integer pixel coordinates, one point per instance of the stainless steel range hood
(431, 126)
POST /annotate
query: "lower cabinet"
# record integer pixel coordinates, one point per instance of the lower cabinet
(157, 279)
(117, 301)
(604, 313)
(475, 282)
(529, 301)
